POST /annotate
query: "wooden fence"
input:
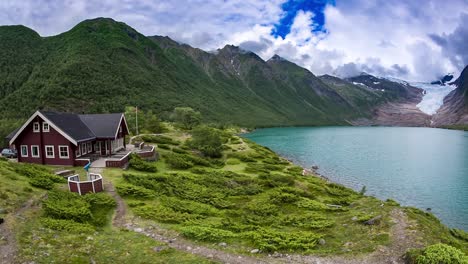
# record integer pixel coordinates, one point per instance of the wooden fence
(93, 185)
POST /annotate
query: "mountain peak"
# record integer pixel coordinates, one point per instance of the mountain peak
(277, 57)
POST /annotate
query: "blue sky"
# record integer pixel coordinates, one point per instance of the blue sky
(411, 40)
(292, 7)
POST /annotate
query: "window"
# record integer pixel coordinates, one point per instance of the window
(90, 147)
(83, 148)
(63, 152)
(45, 127)
(36, 127)
(35, 151)
(49, 150)
(24, 151)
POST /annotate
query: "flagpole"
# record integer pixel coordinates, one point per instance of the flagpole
(136, 119)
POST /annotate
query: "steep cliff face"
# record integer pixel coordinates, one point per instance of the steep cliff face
(454, 111)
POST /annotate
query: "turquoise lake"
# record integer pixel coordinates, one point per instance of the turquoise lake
(421, 167)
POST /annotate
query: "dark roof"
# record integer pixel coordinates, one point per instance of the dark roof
(102, 125)
(12, 134)
(71, 124)
(80, 127)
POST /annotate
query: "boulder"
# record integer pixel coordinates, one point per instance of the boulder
(373, 220)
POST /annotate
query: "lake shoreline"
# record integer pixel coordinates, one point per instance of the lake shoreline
(384, 186)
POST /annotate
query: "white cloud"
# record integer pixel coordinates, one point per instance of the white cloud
(385, 37)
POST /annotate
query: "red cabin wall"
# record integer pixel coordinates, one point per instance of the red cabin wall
(54, 138)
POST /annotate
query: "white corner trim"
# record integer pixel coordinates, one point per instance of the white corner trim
(118, 127)
(37, 113)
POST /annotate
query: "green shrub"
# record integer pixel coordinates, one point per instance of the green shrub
(66, 225)
(178, 161)
(163, 214)
(243, 156)
(437, 254)
(134, 191)
(68, 206)
(159, 140)
(307, 220)
(164, 146)
(262, 208)
(311, 204)
(276, 180)
(137, 163)
(232, 161)
(199, 171)
(270, 240)
(208, 140)
(460, 234)
(392, 202)
(209, 234)
(281, 197)
(178, 150)
(296, 170)
(39, 177)
(186, 206)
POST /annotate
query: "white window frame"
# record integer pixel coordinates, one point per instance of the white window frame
(38, 127)
(60, 152)
(38, 151)
(53, 151)
(83, 149)
(26, 148)
(44, 125)
(90, 147)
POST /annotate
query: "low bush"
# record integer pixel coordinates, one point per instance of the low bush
(208, 234)
(68, 206)
(67, 225)
(392, 202)
(39, 177)
(159, 140)
(276, 180)
(186, 206)
(460, 234)
(242, 156)
(179, 150)
(310, 204)
(262, 207)
(270, 240)
(232, 161)
(137, 163)
(163, 214)
(437, 254)
(177, 161)
(134, 191)
(296, 170)
(164, 146)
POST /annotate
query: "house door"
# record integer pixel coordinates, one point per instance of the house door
(104, 148)
(97, 147)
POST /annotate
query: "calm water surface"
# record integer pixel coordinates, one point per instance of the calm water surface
(422, 167)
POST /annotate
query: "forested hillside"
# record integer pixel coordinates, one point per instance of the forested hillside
(101, 65)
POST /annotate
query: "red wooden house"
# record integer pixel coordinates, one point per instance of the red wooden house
(62, 138)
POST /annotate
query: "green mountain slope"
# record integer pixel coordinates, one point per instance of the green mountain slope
(101, 65)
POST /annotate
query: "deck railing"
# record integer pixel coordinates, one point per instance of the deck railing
(118, 163)
(93, 185)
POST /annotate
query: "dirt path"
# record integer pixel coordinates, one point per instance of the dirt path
(8, 249)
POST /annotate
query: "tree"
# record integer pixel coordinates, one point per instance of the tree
(186, 117)
(208, 140)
